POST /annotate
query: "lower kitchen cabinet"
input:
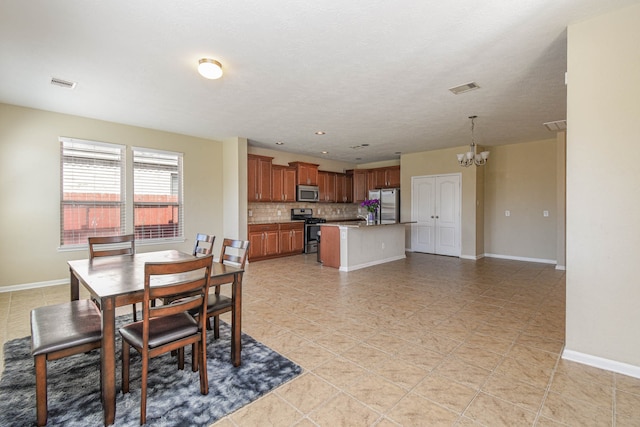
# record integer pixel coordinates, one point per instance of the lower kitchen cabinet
(263, 241)
(275, 240)
(291, 238)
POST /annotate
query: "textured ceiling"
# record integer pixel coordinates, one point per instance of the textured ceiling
(364, 71)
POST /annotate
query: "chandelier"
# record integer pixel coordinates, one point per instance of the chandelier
(472, 157)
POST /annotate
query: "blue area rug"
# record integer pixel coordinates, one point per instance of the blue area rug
(174, 397)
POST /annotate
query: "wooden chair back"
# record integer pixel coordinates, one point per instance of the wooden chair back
(237, 256)
(112, 245)
(175, 279)
(204, 244)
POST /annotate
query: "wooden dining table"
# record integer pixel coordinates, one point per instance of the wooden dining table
(119, 281)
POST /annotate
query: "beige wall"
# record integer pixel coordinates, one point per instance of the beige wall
(603, 189)
(30, 187)
(439, 162)
(521, 178)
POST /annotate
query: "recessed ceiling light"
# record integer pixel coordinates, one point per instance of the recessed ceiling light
(324, 152)
(210, 68)
(320, 132)
(279, 143)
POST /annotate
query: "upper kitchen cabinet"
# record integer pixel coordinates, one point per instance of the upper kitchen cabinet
(327, 186)
(344, 188)
(283, 183)
(259, 178)
(307, 173)
(388, 177)
(360, 189)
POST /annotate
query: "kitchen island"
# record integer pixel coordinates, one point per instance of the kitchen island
(353, 245)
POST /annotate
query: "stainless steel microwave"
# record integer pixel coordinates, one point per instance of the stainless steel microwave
(308, 193)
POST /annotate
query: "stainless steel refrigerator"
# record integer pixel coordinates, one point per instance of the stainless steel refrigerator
(389, 210)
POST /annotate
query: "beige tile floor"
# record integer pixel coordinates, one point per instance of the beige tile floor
(425, 341)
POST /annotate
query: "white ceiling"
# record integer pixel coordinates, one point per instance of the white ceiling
(364, 71)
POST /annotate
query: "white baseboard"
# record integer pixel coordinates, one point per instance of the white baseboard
(35, 285)
(518, 258)
(561, 267)
(369, 264)
(472, 257)
(602, 363)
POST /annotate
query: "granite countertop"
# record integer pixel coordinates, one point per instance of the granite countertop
(282, 221)
(358, 224)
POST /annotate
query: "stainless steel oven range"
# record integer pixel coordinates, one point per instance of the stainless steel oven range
(311, 227)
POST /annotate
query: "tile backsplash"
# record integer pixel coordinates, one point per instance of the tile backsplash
(268, 212)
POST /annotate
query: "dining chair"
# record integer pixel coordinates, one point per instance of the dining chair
(112, 246)
(164, 328)
(204, 244)
(59, 331)
(234, 252)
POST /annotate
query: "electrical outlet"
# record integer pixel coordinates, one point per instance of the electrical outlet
(507, 213)
(279, 213)
(250, 212)
(382, 245)
(545, 213)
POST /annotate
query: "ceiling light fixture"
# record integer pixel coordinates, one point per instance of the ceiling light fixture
(279, 143)
(210, 68)
(320, 132)
(471, 157)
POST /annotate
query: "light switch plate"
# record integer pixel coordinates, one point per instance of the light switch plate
(507, 213)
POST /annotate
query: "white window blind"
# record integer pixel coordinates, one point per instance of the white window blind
(157, 194)
(92, 199)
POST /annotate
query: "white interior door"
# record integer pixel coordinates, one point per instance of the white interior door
(448, 215)
(423, 214)
(435, 202)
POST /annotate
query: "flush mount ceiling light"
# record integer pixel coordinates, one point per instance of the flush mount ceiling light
(210, 68)
(320, 132)
(471, 157)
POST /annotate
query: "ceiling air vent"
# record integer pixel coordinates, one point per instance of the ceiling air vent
(556, 126)
(464, 88)
(63, 83)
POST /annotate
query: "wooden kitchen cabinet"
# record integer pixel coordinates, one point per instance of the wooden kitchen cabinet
(283, 184)
(263, 241)
(344, 188)
(275, 240)
(327, 186)
(306, 173)
(388, 177)
(259, 178)
(291, 238)
(360, 189)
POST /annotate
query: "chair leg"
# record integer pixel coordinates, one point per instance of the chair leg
(40, 362)
(194, 357)
(125, 367)
(181, 358)
(202, 356)
(216, 327)
(143, 396)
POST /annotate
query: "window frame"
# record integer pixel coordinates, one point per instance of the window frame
(69, 179)
(140, 230)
